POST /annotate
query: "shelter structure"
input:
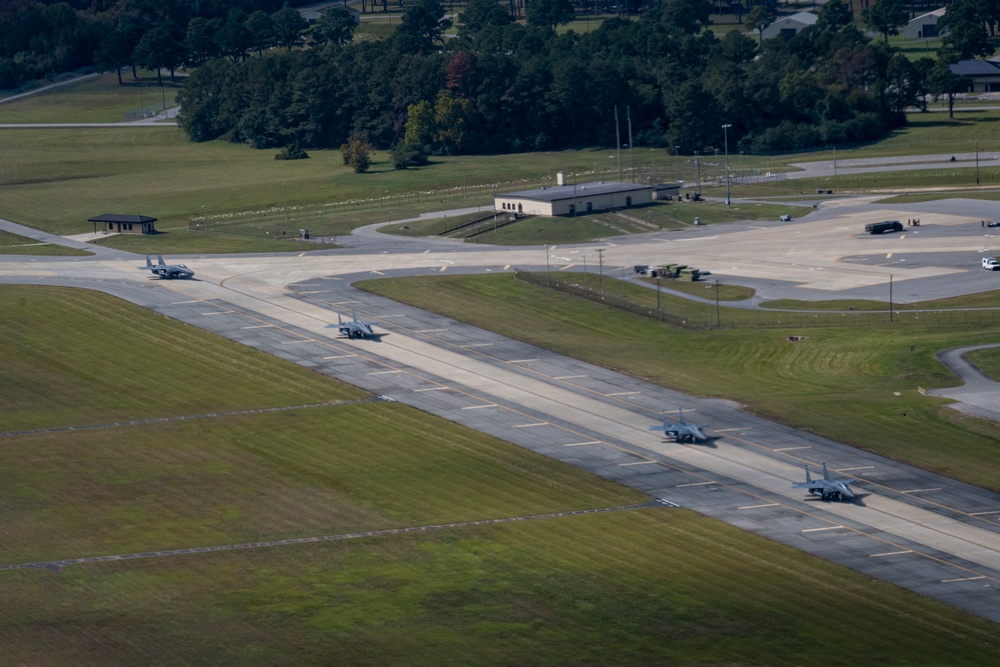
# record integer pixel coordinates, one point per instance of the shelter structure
(117, 223)
(789, 26)
(983, 75)
(563, 199)
(923, 26)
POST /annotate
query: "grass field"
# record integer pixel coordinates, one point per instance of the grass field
(843, 382)
(95, 100)
(12, 244)
(652, 586)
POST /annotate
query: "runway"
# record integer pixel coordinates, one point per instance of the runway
(921, 531)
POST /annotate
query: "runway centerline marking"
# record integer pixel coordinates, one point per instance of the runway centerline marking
(816, 530)
(258, 326)
(753, 507)
(681, 486)
(891, 553)
(589, 442)
(530, 425)
(789, 449)
(340, 356)
(636, 463)
(952, 581)
(385, 372)
(982, 513)
(431, 389)
(479, 407)
(920, 490)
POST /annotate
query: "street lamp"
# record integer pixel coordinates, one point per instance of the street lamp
(725, 133)
(284, 194)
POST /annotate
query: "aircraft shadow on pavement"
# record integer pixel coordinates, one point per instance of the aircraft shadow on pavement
(708, 442)
(857, 500)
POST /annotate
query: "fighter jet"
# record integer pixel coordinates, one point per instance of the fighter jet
(681, 431)
(826, 488)
(165, 270)
(355, 328)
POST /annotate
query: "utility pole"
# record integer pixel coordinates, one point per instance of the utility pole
(631, 164)
(718, 313)
(725, 134)
(618, 144)
(697, 162)
(600, 260)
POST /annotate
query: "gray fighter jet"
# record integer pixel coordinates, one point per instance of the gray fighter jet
(827, 488)
(165, 270)
(354, 328)
(680, 430)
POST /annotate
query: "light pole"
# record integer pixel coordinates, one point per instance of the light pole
(494, 209)
(677, 158)
(718, 314)
(725, 134)
(600, 260)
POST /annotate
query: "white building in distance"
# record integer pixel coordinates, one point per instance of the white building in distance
(574, 199)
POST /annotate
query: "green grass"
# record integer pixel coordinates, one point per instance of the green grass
(704, 289)
(95, 100)
(114, 360)
(979, 300)
(12, 244)
(841, 382)
(650, 587)
(183, 242)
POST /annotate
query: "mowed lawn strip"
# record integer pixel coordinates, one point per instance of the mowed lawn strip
(857, 385)
(315, 471)
(12, 244)
(73, 357)
(642, 587)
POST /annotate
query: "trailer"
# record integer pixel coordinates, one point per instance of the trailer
(883, 227)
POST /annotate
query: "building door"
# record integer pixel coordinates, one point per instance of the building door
(628, 201)
(572, 209)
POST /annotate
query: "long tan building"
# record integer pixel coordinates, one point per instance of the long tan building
(574, 199)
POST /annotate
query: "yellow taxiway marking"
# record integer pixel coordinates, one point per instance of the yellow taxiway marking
(589, 442)
(816, 530)
(753, 507)
(891, 553)
(982, 513)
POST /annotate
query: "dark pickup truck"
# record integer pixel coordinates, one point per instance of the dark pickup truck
(883, 227)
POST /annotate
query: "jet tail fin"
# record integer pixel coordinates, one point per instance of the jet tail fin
(149, 262)
(159, 258)
(809, 478)
(340, 319)
(826, 474)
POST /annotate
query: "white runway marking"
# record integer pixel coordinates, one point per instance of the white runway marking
(385, 372)
(623, 393)
(952, 581)
(636, 463)
(569, 377)
(530, 425)
(920, 490)
(180, 303)
(857, 468)
(589, 442)
(788, 449)
(429, 330)
(753, 507)
(521, 361)
(340, 356)
(738, 428)
(816, 530)
(480, 407)
(982, 513)
(891, 553)
(296, 342)
(258, 326)
(681, 486)
(477, 345)
(431, 389)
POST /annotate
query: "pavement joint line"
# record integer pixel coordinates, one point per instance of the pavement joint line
(476, 345)
(479, 407)
(788, 449)
(296, 342)
(589, 442)
(952, 581)
(636, 463)
(220, 312)
(891, 553)
(624, 393)
(681, 486)
(855, 468)
(159, 420)
(530, 425)
(982, 513)
(181, 303)
(738, 428)
(429, 330)
(58, 565)
(816, 530)
(920, 490)
(753, 507)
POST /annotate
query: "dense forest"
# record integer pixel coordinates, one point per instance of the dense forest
(261, 75)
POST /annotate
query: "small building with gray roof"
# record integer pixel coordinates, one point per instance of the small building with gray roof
(574, 199)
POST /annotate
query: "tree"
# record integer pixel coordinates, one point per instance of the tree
(885, 17)
(550, 13)
(234, 37)
(115, 52)
(357, 152)
(422, 27)
(336, 26)
(420, 126)
(760, 17)
(689, 16)
(201, 40)
(964, 32)
(942, 82)
(482, 14)
(289, 27)
(159, 50)
(262, 31)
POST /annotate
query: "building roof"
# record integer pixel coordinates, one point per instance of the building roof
(559, 192)
(937, 13)
(118, 217)
(974, 68)
(805, 18)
